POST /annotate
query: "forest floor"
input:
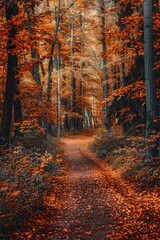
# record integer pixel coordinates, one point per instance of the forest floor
(91, 201)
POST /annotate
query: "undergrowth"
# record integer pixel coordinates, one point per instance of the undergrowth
(127, 155)
(28, 170)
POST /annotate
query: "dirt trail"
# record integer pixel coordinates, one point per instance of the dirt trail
(89, 204)
(86, 200)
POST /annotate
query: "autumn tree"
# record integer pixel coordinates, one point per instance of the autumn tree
(151, 102)
(102, 6)
(30, 10)
(12, 64)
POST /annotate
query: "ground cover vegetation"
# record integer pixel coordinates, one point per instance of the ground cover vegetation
(28, 173)
(126, 155)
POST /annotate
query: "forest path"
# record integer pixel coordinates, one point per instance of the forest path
(88, 203)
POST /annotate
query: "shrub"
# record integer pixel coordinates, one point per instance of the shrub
(28, 168)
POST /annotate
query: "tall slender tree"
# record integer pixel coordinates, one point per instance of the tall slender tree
(35, 69)
(151, 103)
(73, 78)
(12, 64)
(104, 63)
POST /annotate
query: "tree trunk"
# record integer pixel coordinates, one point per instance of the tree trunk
(73, 100)
(17, 103)
(73, 79)
(107, 120)
(58, 92)
(151, 103)
(34, 55)
(11, 11)
(50, 64)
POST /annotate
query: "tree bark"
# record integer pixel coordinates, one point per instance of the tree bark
(107, 120)
(12, 64)
(35, 68)
(17, 102)
(151, 102)
(73, 79)
(50, 64)
(58, 93)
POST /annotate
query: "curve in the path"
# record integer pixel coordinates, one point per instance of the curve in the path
(88, 204)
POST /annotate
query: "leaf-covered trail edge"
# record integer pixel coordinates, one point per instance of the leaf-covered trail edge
(91, 201)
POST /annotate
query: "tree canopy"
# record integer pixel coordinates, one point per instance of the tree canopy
(78, 64)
